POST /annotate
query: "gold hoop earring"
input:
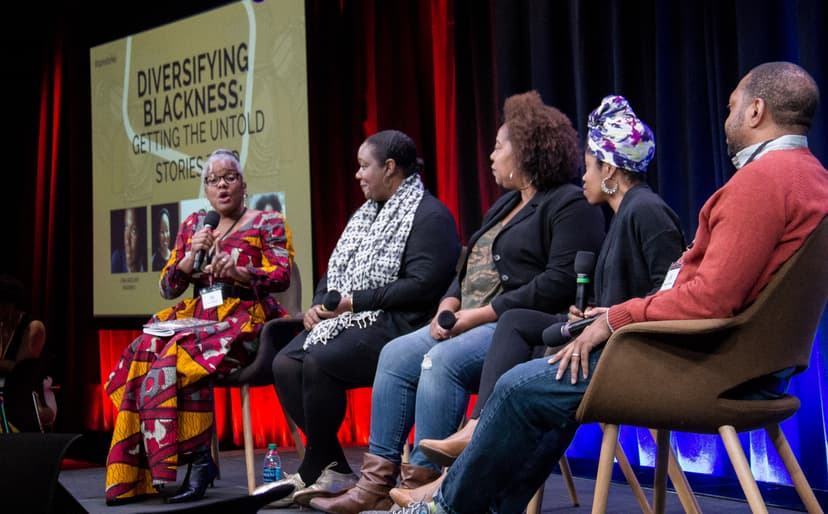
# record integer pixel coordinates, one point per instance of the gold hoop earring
(606, 189)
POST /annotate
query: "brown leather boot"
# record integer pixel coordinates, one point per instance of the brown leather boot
(424, 493)
(412, 476)
(445, 451)
(377, 477)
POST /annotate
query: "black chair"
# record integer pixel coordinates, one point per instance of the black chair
(259, 374)
(29, 474)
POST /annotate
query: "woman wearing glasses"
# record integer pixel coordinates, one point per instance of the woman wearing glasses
(165, 408)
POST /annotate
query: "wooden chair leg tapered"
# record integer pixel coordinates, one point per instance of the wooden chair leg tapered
(803, 488)
(566, 473)
(740, 464)
(660, 481)
(685, 492)
(632, 480)
(297, 437)
(602, 479)
(247, 427)
(535, 505)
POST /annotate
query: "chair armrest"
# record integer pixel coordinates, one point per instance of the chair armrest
(678, 327)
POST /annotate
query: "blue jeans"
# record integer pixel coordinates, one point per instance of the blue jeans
(436, 377)
(523, 431)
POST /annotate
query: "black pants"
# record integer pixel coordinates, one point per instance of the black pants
(312, 385)
(516, 339)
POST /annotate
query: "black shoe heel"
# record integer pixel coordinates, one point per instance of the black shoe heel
(202, 473)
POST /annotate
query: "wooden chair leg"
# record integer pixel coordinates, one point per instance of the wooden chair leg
(406, 453)
(214, 445)
(806, 494)
(632, 480)
(536, 503)
(740, 464)
(660, 481)
(297, 437)
(570, 484)
(247, 427)
(602, 479)
(685, 492)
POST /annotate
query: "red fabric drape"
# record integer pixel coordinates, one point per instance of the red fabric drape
(46, 189)
(445, 112)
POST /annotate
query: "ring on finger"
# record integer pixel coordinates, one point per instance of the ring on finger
(576, 354)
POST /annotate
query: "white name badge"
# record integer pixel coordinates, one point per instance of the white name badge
(211, 297)
(672, 275)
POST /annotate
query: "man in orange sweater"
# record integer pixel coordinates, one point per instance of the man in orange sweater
(747, 229)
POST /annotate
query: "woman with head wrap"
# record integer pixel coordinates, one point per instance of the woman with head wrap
(644, 238)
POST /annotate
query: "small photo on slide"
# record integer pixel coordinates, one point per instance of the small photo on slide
(274, 201)
(164, 221)
(128, 238)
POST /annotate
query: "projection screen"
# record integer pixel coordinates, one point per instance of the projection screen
(162, 100)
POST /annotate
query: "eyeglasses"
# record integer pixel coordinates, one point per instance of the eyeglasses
(230, 178)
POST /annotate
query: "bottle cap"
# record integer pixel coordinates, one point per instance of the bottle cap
(271, 446)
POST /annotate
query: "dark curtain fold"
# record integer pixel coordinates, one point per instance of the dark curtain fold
(478, 111)
(366, 74)
(677, 63)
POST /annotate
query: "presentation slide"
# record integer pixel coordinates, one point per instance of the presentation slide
(162, 101)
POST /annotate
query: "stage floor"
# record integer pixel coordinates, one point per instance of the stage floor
(86, 485)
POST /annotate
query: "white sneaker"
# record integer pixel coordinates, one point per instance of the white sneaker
(330, 483)
(287, 501)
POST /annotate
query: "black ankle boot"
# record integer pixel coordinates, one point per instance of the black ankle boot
(201, 472)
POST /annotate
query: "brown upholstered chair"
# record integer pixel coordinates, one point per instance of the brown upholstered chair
(259, 373)
(683, 371)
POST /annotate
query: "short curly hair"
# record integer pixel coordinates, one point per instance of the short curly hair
(544, 140)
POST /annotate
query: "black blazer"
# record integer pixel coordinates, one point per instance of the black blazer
(535, 252)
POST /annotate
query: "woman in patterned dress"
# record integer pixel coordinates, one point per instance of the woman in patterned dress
(161, 385)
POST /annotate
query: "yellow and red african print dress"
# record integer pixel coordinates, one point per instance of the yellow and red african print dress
(165, 408)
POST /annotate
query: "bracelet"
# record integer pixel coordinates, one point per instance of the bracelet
(351, 303)
(609, 326)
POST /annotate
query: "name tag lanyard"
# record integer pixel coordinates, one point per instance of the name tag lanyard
(212, 296)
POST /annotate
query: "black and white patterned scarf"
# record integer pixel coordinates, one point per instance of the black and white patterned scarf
(368, 255)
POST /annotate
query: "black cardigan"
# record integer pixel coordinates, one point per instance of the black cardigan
(535, 252)
(644, 238)
(428, 264)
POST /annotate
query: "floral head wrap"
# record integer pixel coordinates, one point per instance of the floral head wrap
(616, 135)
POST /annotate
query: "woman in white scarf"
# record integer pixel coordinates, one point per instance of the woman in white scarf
(392, 262)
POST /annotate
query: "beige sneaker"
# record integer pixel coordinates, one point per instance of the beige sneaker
(287, 501)
(330, 483)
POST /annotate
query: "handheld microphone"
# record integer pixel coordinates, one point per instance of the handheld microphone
(584, 265)
(331, 300)
(559, 333)
(446, 319)
(211, 221)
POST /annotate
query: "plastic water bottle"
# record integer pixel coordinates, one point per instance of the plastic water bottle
(272, 464)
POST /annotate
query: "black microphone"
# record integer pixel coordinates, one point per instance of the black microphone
(584, 265)
(446, 319)
(331, 300)
(211, 221)
(559, 333)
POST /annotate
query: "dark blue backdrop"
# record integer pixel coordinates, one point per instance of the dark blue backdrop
(677, 62)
